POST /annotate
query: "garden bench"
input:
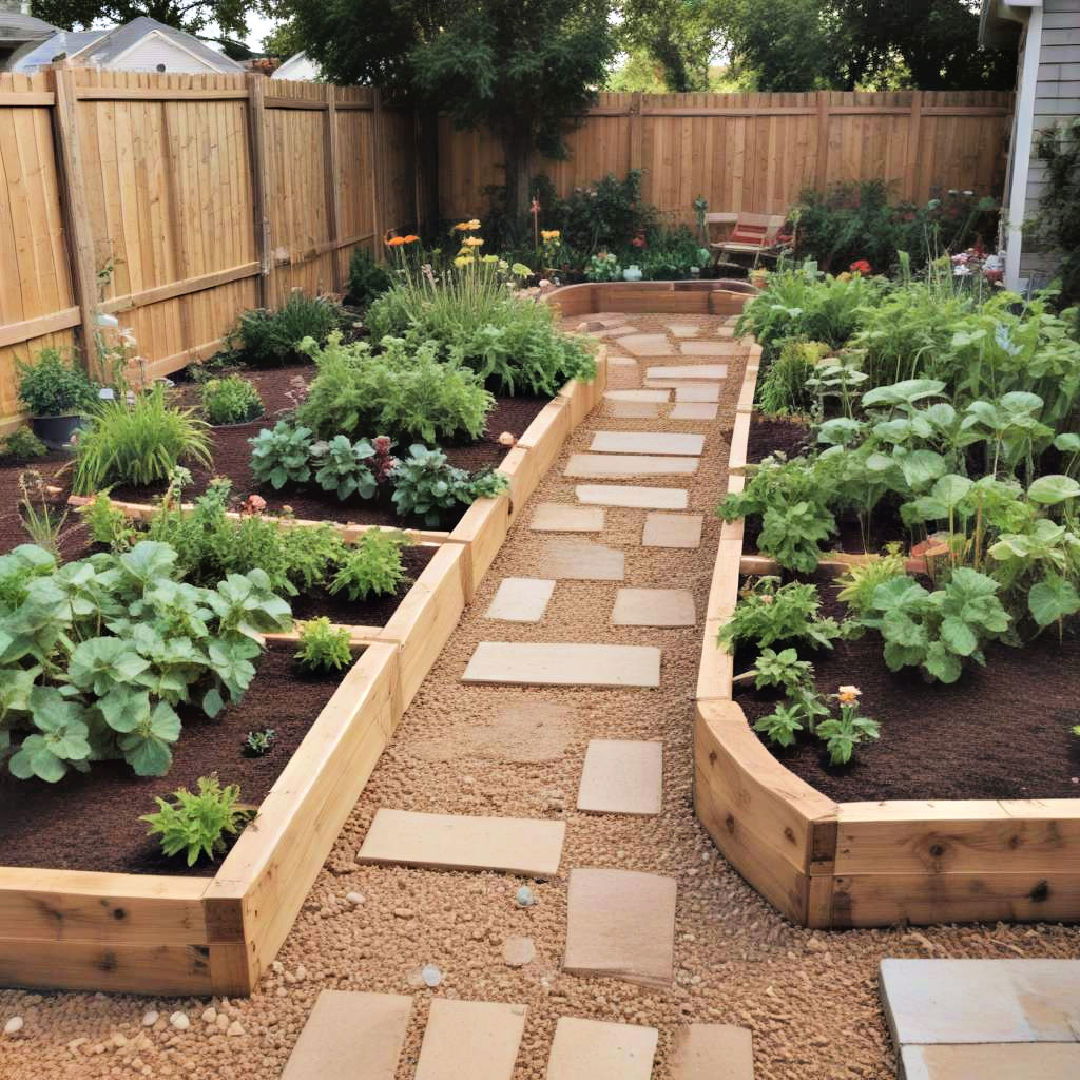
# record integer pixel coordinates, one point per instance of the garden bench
(751, 234)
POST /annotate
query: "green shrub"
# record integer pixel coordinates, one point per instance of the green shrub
(367, 279)
(784, 391)
(21, 446)
(606, 214)
(138, 443)
(402, 390)
(323, 646)
(373, 565)
(342, 467)
(281, 455)
(267, 338)
(107, 523)
(426, 485)
(53, 386)
(768, 612)
(198, 822)
(232, 400)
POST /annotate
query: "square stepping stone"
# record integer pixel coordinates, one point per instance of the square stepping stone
(598, 1050)
(638, 396)
(623, 466)
(632, 410)
(708, 348)
(621, 776)
(458, 842)
(646, 344)
(702, 392)
(654, 607)
(620, 924)
(581, 560)
(647, 442)
(982, 1001)
(712, 1052)
(562, 517)
(683, 330)
(563, 664)
(999, 1061)
(351, 1035)
(672, 530)
(648, 498)
(693, 410)
(521, 599)
(688, 371)
(474, 1039)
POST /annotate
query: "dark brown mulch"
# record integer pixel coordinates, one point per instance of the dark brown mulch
(769, 434)
(90, 821)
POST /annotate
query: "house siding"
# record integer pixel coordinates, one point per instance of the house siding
(154, 50)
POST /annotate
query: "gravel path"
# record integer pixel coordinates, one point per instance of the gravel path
(810, 997)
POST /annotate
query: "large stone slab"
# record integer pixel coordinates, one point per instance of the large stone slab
(709, 348)
(998, 1061)
(648, 498)
(646, 344)
(621, 466)
(621, 924)
(638, 396)
(565, 518)
(687, 371)
(535, 730)
(654, 607)
(647, 442)
(982, 1001)
(519, 599)
(683, 330)
(672, 530)
(712, 1052)
(351, 1035)
(474, 1039)
(693, 410)
(622, 776)
(702, 392)
(580, 560)
(563, 664)
(598, 1050)
(633, 410)
(458, 842)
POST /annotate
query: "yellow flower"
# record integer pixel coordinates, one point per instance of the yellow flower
(848, 694)
(550, 234)
(473, 241)
(489, 258)
(468, 226)
(464, 260)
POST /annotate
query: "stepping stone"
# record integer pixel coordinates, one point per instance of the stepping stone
(521, 599)
(646, 344)
(647, 442)
(602, 466)
(672, 530)
(654, 607)
(637, 396)
(351, 1035)
(693, 410)
(538, 731)
(474, 1039)
(982, 1001)
(581, 560)
(630, 410)
(998, 1061)
(621, 924)
(598, 1050)
(621, 776)
(688, 371)
(455, 842)
(648, 498)
(620, 331)
(702, 392)
(708, 348)
(712, 1052)
(563, 664)
(562, 517)
(683, 329)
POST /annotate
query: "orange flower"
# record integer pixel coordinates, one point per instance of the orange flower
(410, 239)
(396, 241)
(848, 695)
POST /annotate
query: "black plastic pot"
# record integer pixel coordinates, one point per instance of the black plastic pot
(56, 432)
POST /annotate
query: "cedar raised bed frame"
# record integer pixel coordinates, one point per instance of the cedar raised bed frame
(172, 935)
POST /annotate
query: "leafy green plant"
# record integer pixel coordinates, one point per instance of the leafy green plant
(323, 646)
(781, 669)
(768, 612)
(21, 446)
(342, 467)
(107, 523)
(271, 338)
(859, 581)
(603, 266)
(784, 390)
(197, 822)
(426, 485)
(42, 521)
(18, 568)
(281, 455)
(138, 443)
(54, 386)
(231, 400)
(844, 732)
(372, 566)
(259, 743)
(367, 279)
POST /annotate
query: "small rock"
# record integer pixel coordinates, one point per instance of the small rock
(210, 1014)
(525, 897)
(119, 1040)
(300, 973)
(355, 898)
(403, 913)
(431, 974)
(236, 1029)
(180, 1021)
(150, 1018)
(13, 1026)
(518, 951)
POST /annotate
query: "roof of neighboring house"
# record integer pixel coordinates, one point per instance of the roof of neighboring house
(299, 66)
(34, 55)
(999, 21)
(16, 27)
(114, 43)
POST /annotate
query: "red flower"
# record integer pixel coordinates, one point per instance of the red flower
(638, 241)
(861, 266)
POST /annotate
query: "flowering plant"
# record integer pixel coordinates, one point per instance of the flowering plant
(861, 266)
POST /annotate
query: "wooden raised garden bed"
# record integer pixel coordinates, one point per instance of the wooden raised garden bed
(834, 864)
(172, 934)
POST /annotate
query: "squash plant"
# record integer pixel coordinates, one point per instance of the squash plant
(96, 655)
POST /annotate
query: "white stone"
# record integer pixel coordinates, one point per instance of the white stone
(150, 1018)
(354, 898)
(14, 1025)
(180, 1021)
(235, 1030)
(518, 951)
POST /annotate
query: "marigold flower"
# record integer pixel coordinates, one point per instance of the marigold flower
(395, 241)
(550, 234)
(410, 239)
(848, 694)
(464, 260)
(468, 226)
(473, 241)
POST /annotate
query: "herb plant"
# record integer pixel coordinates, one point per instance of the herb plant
(259, 743)
(231, 400)
(323, 646)
(197, 822)
(342, 467)
(271, 338)
(427, 486)
(367, 279)
(21, 446)
(107, 523)
(768, 612)
(373, 566)
(54, 386)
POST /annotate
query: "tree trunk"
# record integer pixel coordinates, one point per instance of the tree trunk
(516, 153)
(426, 128)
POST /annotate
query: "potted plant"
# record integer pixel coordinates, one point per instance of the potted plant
(56, 394)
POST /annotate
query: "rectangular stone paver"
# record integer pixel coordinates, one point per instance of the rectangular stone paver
(621, 776)
(638, 396)
(712, 1052)
(998, 1061)
(646, 344)
(351, 1035)
(709, 348)
(623, 466)
(581, 560)
(647, 442)
(562, 517)
(654, 607)
(464, 842)
(523, 663)
(672, 530)
(521, 599)
(598, 1050)
(687, 371)
(474, 1039)
(693, 410)
(683, 330)
(702, 392)
(982, 1001)
(633, 410)
(649, 498)
(621, 924)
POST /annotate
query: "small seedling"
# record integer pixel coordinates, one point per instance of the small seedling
(258, 743)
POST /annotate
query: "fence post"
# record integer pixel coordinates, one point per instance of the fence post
(378, 226)
(333, 198)
(821, 160)
(259, 178)
(911, 166)
(80, 244)
(635, 131)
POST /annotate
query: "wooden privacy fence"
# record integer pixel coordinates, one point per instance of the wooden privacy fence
(175, 201)
(756, 152)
